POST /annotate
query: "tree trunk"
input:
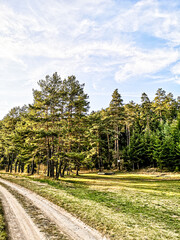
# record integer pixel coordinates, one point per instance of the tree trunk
(8, 168)
(64, 170)
(98, 157)
(117, 143)
(11, 167)
(129, 138)
(128, 135)
(57, 173)
(32, 168)
(38, 168)
(19, 166)
(138, 166)
(115, 146)
(22, 167)
(48, 168)
(15, 169)
(52, 168)
(77, 170)
(60, 166)
(109, 160)
(28, 168)
(119, 166)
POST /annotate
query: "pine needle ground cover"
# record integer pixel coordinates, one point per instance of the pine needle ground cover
(123, 206)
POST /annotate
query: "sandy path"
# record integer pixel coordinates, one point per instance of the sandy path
(70, 225)
(20, 225)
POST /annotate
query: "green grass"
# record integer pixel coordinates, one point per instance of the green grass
(122, 206)
(3, 235)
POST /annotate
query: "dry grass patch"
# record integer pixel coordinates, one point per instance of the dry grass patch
(120, 206)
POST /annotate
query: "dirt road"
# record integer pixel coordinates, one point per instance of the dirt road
(24, 228)
(20, 225)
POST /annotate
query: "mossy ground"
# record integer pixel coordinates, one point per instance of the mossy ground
(121, 206)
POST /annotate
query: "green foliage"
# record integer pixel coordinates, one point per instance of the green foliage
(57, 129)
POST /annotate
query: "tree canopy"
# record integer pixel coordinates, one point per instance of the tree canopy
(57, 130)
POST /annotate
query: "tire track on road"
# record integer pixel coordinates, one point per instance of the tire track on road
(20, 225)
(67, 223)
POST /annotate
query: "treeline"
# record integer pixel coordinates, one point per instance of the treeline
(57, 130)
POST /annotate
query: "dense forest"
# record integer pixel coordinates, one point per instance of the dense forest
(56, 130)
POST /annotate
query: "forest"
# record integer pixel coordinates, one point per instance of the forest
(58, 131)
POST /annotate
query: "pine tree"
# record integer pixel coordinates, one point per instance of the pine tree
(116, 112)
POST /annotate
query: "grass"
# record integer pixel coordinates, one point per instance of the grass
(121, 206)
(3, 234)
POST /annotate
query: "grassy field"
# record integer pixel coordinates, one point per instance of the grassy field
(121, 206)
(3, 235)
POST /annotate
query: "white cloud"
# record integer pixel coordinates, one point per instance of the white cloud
(165, 79)
(176, 72)
(177, 80)
(90, 38)
(148, 16)
(176, 69)
(144, 63)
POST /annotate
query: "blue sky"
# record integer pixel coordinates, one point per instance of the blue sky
(107, 44)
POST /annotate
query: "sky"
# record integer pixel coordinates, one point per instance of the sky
(107, 44)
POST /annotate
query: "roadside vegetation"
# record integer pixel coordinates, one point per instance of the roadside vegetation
(121, 206)
(3, 234)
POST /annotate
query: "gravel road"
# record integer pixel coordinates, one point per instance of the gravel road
(22, 227)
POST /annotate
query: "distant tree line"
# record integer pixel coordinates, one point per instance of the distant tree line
(57, 130)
